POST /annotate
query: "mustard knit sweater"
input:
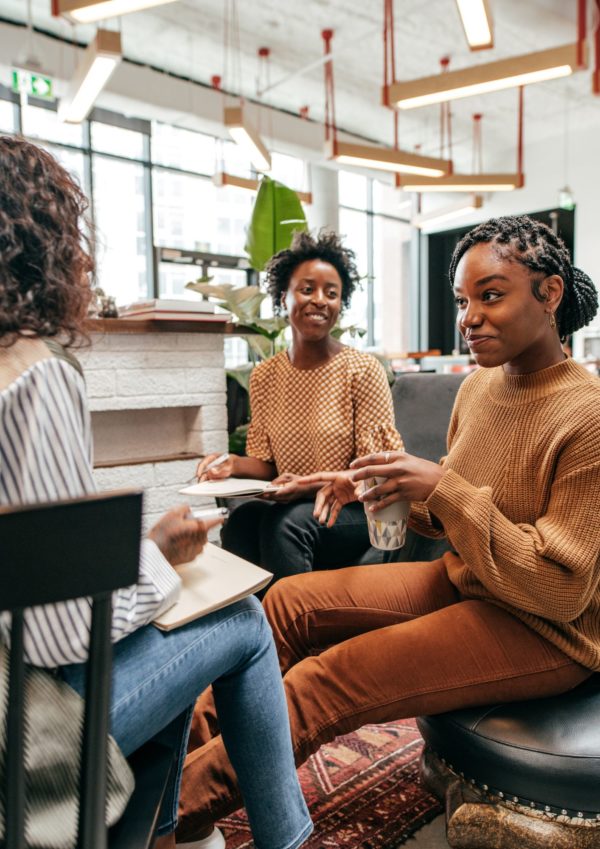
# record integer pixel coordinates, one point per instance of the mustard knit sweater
(520, 502)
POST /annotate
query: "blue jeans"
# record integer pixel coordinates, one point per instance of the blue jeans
(286, 539)
(156, 679)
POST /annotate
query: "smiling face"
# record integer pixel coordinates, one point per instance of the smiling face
(313, 299)
(501, 320)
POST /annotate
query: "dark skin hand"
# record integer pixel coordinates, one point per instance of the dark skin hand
(409, 478)
(179, 537)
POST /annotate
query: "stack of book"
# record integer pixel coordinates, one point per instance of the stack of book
(171, 308)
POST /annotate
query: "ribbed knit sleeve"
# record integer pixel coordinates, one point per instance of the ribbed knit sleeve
(45, 455)
(549, 568)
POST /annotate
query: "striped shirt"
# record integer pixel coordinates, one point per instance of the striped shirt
(45, 455)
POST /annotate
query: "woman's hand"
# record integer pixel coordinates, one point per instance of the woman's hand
(217, 473)
(409, 478)
(339, 489)
(291, 488)
(180, 537)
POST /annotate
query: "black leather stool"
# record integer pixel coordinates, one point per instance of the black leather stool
(525, 774)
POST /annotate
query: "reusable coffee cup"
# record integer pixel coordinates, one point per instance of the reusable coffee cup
(387, 527)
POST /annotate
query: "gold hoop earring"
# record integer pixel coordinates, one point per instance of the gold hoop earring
(552, 320)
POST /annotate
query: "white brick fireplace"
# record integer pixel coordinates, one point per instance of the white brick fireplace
(158, 402)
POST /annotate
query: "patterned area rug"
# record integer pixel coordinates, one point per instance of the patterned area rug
(363, 791)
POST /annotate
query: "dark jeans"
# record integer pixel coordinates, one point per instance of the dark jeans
(286, 540)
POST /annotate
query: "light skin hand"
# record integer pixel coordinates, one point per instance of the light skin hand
(179, 537)
(409, 478)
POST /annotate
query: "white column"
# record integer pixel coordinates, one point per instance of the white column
(324, 210)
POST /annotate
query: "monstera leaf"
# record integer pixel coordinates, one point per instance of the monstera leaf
(277, 214)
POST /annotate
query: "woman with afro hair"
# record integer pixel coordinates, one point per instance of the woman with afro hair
(315, 407)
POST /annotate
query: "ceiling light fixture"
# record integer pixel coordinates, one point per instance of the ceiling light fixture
(99, 60)
(90, 11)
(463, 183)
(445, 213)
(244, 135)
(386, 159)
(477, 23)
(494, 76)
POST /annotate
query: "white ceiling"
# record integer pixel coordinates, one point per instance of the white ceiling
(186, 38)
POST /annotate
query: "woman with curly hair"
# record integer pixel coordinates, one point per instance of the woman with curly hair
(45, 455)
(314, 407)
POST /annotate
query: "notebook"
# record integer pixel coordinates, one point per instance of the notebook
(229, 488)
(213, 580)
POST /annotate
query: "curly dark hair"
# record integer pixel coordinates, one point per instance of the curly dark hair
(326, 246)
(536, 246)
(45, 257)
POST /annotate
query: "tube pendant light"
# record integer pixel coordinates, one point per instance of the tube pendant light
(90, 11)
(99, 60)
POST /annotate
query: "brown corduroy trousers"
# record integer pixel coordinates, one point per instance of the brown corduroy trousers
(372, 644)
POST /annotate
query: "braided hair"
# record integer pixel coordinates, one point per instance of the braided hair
(326, 246)
(534, 245)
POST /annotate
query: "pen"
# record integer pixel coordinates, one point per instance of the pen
(217, 461)
(209, 513)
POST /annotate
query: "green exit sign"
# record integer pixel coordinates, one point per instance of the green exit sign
(36, 85)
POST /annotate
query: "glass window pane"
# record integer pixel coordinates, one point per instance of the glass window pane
(352, 190)
(231, 159)
(391, 267)
(119, 207)
(72, 160)
(391, 201)
(109, 139)
(42, 123)
(353, 227)
(7, 116)
(191, 213)
(183, 148)
(288, 170)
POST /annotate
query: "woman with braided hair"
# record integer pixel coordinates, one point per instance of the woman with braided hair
(513, 610)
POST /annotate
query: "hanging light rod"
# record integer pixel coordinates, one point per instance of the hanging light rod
(445, 213)
(462, 183)
(386, 159)
(477, 23)
(247, 138)
(495, 76)
(99, 60)
(222, 178)
(89, 11)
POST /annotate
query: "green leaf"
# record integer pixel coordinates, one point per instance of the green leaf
(242, 375)
(276, 216)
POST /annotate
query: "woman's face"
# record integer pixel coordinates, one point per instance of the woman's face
(313, 299)
(498, 315)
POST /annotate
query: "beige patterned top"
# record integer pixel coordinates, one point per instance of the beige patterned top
(310, 420)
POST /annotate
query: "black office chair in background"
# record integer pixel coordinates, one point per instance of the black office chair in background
(51, 553)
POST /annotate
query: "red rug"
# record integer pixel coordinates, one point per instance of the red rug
(363, 791)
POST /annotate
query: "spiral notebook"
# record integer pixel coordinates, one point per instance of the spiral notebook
(229, 488)
(213, 580)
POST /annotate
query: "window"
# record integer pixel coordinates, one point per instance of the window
(122, 249)
(183, 149)
(41, 123)
(121, 142)
(7, 116)
(353, 228)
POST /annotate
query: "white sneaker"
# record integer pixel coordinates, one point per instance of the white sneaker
(213, 841)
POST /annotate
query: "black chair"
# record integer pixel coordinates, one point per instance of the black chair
(51, 553)
(525, 774)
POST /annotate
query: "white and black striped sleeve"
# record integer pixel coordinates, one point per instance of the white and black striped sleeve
(46, 454)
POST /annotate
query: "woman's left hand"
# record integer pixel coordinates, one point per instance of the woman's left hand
(290, 489)
(339, 489)
(409, 478)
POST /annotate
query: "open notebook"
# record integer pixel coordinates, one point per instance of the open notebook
(213, 580)
(229, 488)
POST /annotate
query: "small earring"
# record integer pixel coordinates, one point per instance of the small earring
(552, 320)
